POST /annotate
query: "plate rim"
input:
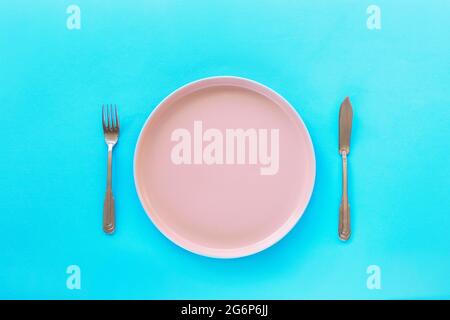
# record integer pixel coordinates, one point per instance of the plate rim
(238, 252)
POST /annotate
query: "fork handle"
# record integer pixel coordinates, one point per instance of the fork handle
(344, 209)
(109, 220)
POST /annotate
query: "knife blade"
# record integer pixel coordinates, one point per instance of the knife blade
(345, 125)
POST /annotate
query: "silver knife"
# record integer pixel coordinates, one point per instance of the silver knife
(345, 129)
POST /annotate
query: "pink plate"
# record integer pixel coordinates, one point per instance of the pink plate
(224, 167)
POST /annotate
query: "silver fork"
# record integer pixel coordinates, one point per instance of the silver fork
(110, 121)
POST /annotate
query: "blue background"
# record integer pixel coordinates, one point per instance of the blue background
(314, 53)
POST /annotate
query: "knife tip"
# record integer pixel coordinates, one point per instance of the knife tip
(346, 103)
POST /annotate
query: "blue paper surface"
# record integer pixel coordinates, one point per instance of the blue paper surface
(54, 79)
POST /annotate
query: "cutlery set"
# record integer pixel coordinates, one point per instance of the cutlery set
(214, 143)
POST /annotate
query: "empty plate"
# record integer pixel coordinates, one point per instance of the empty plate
(224, 167)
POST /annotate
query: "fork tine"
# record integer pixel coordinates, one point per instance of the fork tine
(111, 114)
(113, 117)
(117, 118)
(108, 108)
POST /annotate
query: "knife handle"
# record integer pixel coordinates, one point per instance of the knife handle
(344, 209)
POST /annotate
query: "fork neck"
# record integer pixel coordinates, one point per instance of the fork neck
(109, 170)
